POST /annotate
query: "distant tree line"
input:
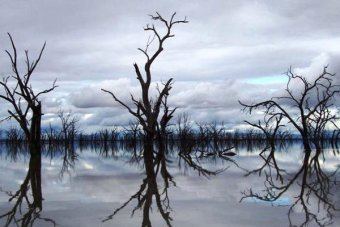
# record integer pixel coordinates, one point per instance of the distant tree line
(184, 130)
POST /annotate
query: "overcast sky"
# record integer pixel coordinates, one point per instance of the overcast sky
(229, 50)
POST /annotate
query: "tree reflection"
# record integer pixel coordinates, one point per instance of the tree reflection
(28, 198)
(69, 157)
(314, 184)
(155, 185)
(269, 164)
(155, 164)
(192, 155)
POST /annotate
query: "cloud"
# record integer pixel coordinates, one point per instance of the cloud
(230, 50)
(315, 67)
(92, 95)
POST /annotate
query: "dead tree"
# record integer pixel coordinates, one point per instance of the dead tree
(202, 131)
(165, 120)
(311, 104)
(147, 109)
(26, 106)
(69, 128)
(216, 132)
(320, 119)
(184, 127)
(269, 127)
(26, 110)
(132, 132)
(51, 134)
(14, 135)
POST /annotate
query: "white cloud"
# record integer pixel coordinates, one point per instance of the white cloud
(213, 59)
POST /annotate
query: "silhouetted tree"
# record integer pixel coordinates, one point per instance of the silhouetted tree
(148, 109)
(184, 127)
(309, 111)
(51, 134)
(132, 131)
(269, 127)
(69, 127)
(18, 91)
(14, 135)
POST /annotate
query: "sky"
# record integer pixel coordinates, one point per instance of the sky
(229, 51)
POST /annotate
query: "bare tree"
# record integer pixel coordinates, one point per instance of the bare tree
(132, 131)
(14, 135)
(309, 111)
(148, 109)
(51, 134)
(164, 122)
(18, 91)
(184, 127)
(202, 131)
(69, 128)
(269, 127)
(216, 131)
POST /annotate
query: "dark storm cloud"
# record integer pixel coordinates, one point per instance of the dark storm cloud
(214, 59)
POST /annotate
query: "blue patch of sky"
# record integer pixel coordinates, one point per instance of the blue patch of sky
(277, 79)
(285, 201)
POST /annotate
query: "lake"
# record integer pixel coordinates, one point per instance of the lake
(182, 185)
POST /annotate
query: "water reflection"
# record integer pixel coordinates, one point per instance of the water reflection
(156, 171)
(315, 187)
(27, 200)
(303, 183)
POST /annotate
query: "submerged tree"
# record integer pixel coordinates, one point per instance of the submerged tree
(147, 109)
(69, 128)
(308, 110)
(26, 110)
(18, 92)
(270, 126)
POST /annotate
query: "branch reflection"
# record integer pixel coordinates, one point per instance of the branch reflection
(314, 184)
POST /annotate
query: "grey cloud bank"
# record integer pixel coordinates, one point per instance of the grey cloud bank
(214, 59)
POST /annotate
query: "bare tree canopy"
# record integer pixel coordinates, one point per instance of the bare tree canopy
(309, 111)
(17, 91)
(69, 128)
(148, 109)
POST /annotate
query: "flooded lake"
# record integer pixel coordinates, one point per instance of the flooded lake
(183, 185)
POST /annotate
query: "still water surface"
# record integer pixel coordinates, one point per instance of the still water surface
(201, 186)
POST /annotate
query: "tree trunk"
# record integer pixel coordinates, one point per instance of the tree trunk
(35, 131)
(35, 161)
(306, 143)
(35, 178)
